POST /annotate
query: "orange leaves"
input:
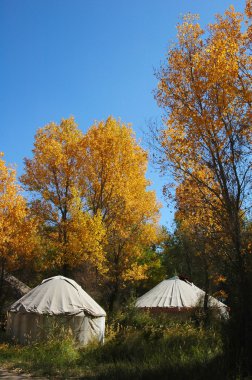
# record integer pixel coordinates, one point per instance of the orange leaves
(91, 196)
(189, 32)
(205, 90)
(114, 175)
(220, 279)
(18, 238)
(203, 85)
(86, 236)
(197, 208)
(249, 8)
(54, 162)
(70, 233)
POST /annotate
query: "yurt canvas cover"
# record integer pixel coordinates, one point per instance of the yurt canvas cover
(56, 301)
(177, 295)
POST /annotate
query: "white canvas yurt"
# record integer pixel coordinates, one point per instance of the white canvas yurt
(56, 301)
(177, 295)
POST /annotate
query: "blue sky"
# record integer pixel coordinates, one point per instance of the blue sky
(86, 58)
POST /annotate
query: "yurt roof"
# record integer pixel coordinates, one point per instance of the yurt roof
(58, 296)
(175, 293)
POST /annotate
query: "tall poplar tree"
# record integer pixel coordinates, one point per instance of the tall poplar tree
(114, 174)
(52, 176)
(91, 195)
(205, 91)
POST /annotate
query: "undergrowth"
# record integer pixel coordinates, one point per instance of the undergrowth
(138, 346)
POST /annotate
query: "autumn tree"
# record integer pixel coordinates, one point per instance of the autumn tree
(18, 230)
(197, 248)
(70, 235)
(114, 178)
(199, 222)
(205, 91)
(90, 195)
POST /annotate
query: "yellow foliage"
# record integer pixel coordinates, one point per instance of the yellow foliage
(92, 198)
(18, 238)
(220, 279)
(197, 209)
(86, 236)
(70, 235)
(114, 175)
(205, 90)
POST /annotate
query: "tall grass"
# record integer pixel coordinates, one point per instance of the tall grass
(147, 348)
(138, 346)
(55, 355)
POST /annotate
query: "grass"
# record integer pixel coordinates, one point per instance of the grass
(137, 347)
(58, 355)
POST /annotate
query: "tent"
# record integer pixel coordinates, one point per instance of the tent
(177, 295)
(57, 301)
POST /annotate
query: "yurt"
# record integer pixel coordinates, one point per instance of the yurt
(177, 296)
(57, 301)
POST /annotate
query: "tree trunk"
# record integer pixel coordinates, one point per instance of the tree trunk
(1, 280)
(114, 296)
(65, 267)
(206, 285)
(242, 305)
